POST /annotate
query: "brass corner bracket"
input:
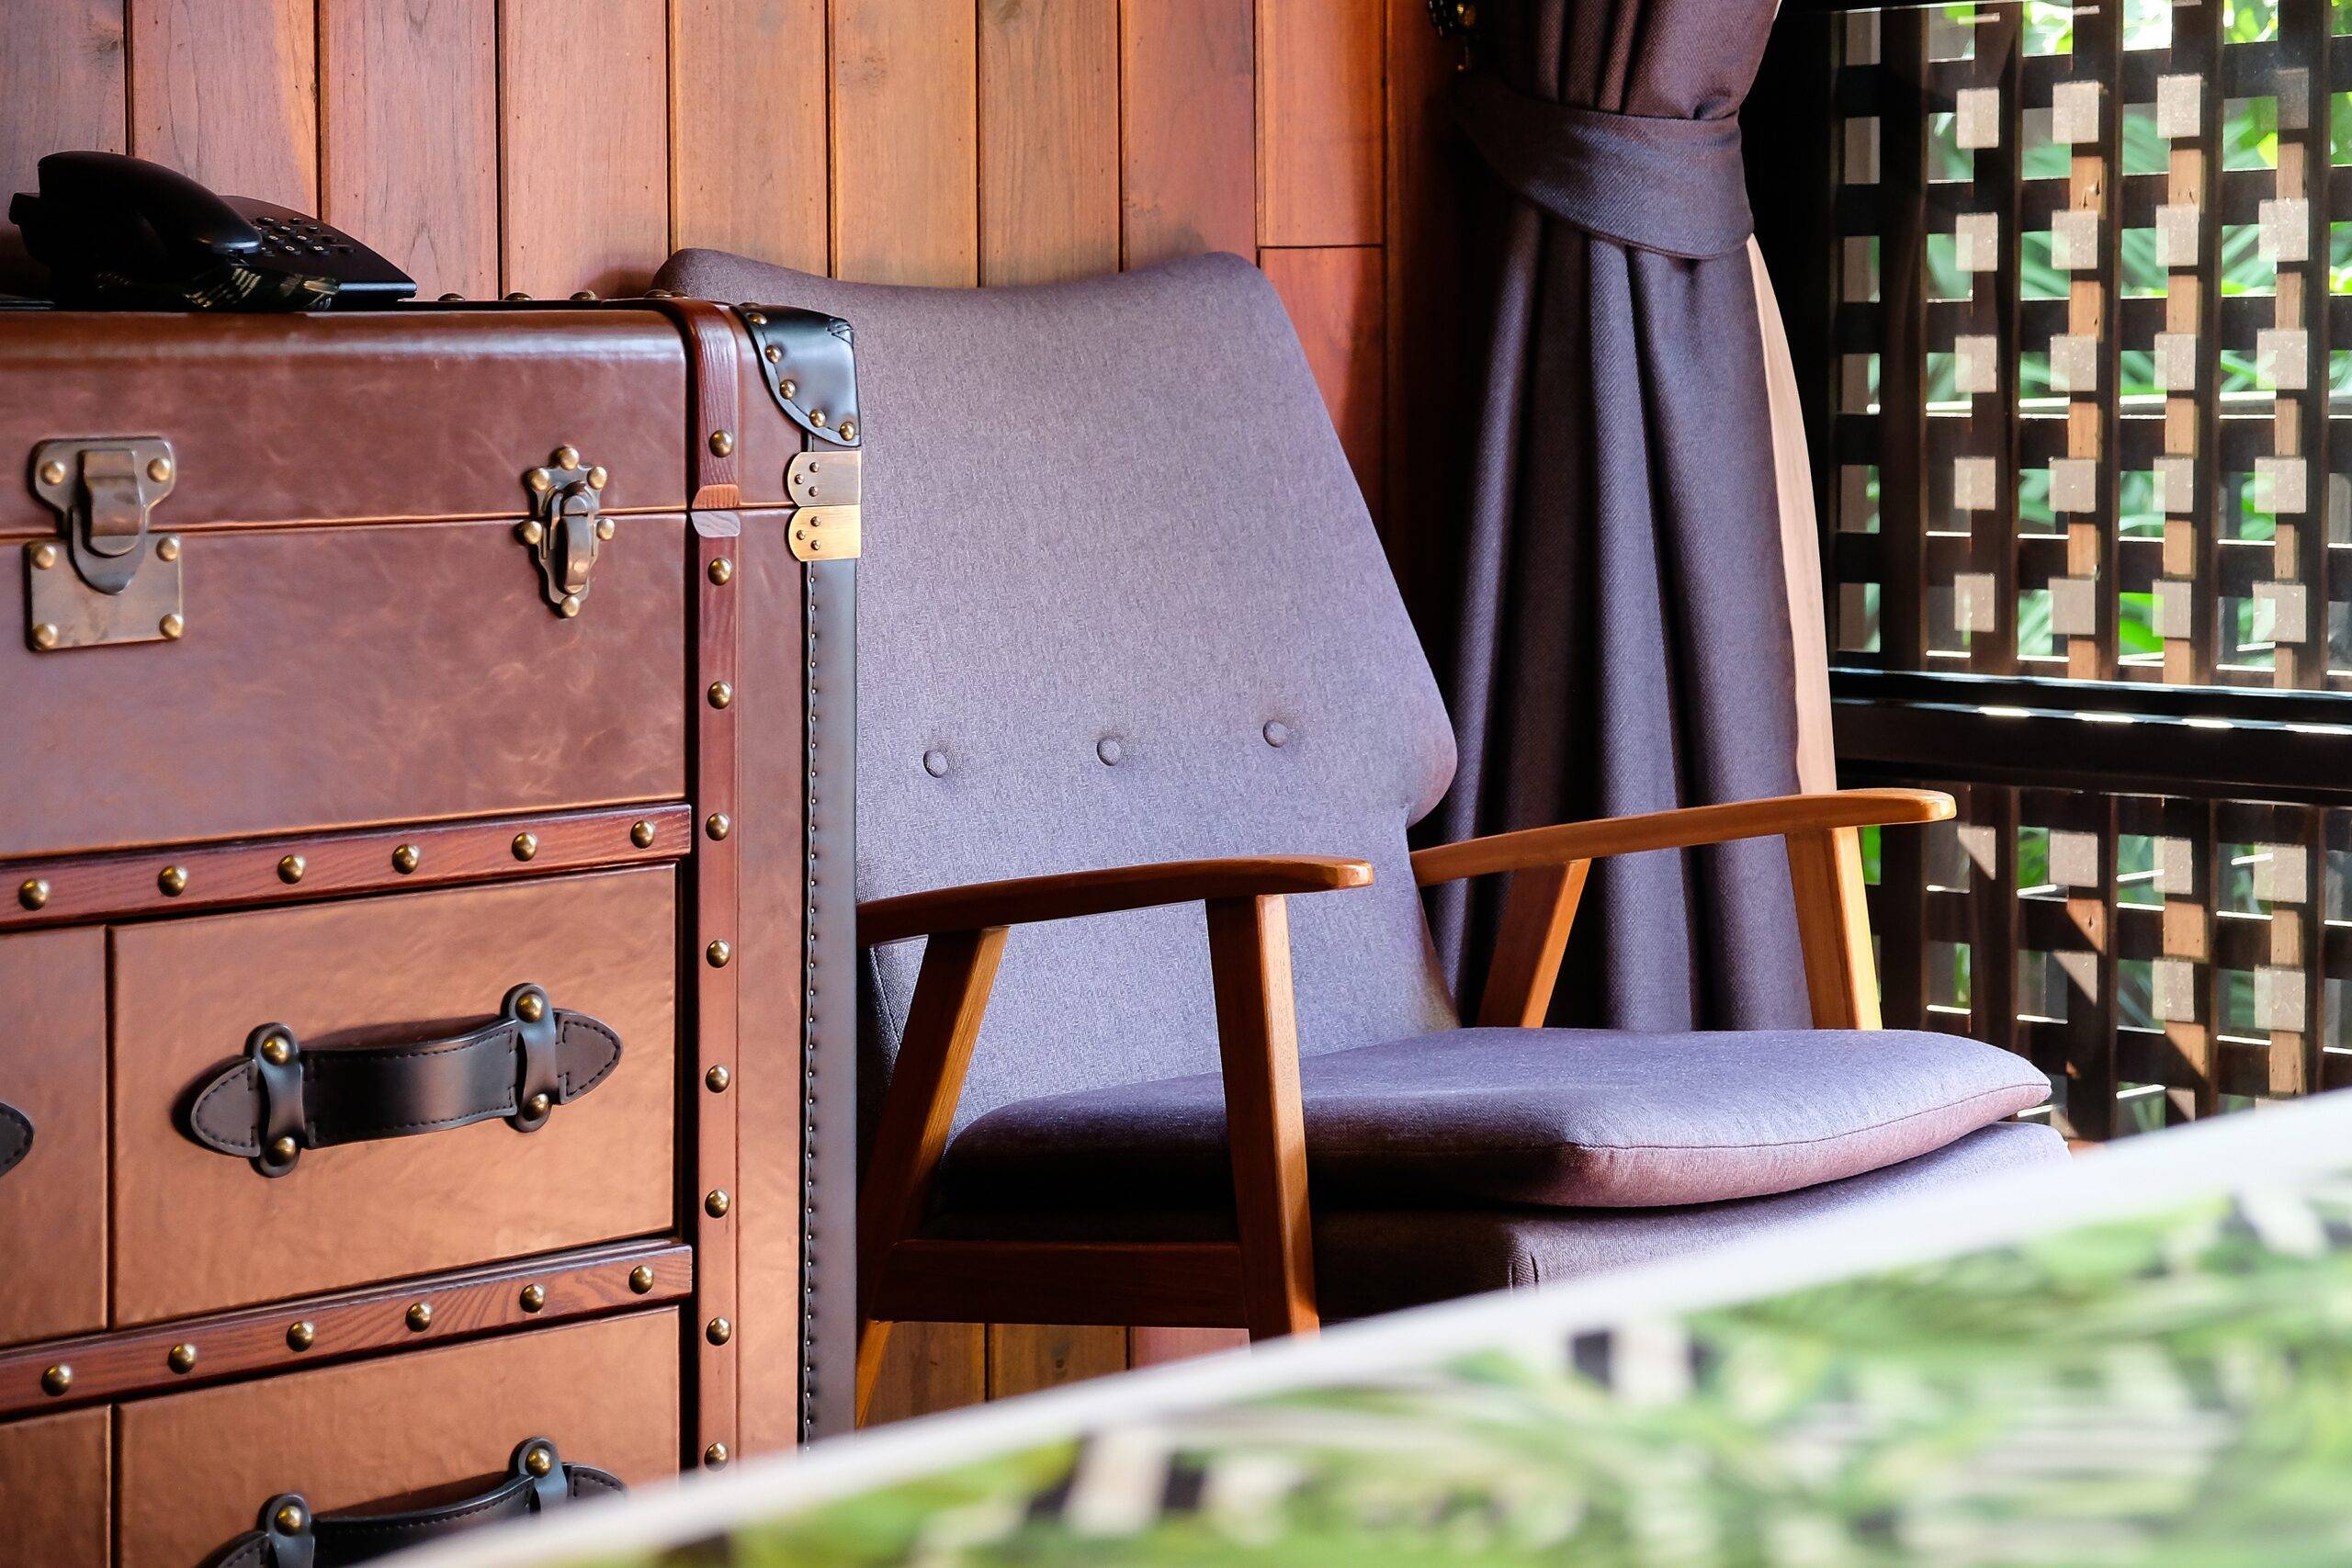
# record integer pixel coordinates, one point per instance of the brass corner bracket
(566, 529)
(826, 487)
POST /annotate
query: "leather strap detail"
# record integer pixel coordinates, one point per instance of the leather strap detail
(290, 1537)
(15, 1136)
(828, 1061)
(317, 1099)
(816, 354)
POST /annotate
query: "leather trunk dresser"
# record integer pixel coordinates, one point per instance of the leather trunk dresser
(427, 939)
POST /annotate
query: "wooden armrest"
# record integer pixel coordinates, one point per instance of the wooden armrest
(1025, 899)
(1779, 816)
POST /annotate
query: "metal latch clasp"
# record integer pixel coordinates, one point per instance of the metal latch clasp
(566, 528)
(117, 580)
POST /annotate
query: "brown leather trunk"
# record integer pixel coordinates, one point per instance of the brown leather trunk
(406, 927)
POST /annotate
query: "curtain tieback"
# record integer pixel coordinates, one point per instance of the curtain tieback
(1676, 186)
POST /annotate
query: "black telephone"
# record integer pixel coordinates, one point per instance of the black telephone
(121, 233)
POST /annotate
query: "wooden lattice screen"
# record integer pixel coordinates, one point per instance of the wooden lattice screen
(2084, 480)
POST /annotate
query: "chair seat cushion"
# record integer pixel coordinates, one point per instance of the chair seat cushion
(1564, 1117)
(1376, 1260)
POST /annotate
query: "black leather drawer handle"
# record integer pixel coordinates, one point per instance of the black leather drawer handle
(280, 1099)
(15, 1136)
(289, 1536)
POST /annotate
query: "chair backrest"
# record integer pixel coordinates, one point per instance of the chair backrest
(1121, 601)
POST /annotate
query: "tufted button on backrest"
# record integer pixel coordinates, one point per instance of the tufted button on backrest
(1064, 521)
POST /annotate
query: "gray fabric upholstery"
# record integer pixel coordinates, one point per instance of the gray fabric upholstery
(1374, 1260)
(1570, 1118)
(1115, 511)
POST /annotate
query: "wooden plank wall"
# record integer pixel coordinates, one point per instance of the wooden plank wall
(546, 146)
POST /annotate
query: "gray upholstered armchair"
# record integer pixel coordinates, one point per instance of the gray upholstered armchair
(1129, 651)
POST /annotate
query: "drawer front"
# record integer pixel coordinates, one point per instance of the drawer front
(187, 993)
(346, 676)
(392, 1433)
(52, 1072)
(53, 1491)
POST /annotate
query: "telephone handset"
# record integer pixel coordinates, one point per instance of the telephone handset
(122, 233)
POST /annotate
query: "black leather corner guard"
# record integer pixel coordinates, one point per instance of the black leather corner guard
(289, 1536)
(15, 1136)
(810, 363)
(279, 1100)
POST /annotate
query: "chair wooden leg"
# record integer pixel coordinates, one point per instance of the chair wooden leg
(1833, 924)
(1534, 933)
(1257, 1042)
(873, 1342)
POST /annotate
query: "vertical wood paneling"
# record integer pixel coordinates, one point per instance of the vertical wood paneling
(408, 135)
(61, 83)
(228, 94)
(1024, 1358)
(747, 128)
(931, 1367)
(1153, 1346)
(1189, 128)
(1049, 138)
(1334, 298)
(1320, 122)
(585, 186)
(906, 182)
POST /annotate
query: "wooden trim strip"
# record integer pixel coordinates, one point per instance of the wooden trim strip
(1168, 1284)
(350, 1324)
(76, 890)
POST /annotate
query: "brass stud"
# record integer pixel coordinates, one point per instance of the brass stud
(44, 636)
(171, 626)
(640, 1279)
(641, 834)
(289, 1519)
(420, 1316)
(791, 388)
(160, 469)
(722, 571)
(585, 294)
(722, 693)
(659, 294)
(168, 547)
(571, 605)
(44, 556)
(719, 1331)
(526, 845)
(717, 825)
(290, 868)
(719, 953)
(183, 1357)
(603, 527)
(404, 859)
(538, 479)
(57, 1380)
(536, 1106)
(718, 1078)
(849, 430)
(817, 418)
(33, 892)
(715, 1456)
(531, 533)
(284, 1149)
(596, 477)
(567, 456)
(276, 1050)
(301, 1336)
(775, 355)
(534, 1297)
(530, 1007)
(173, 880)
(722, 441)
(538, 1462)
(52, 472)
(512, 296)
(717, 1205)
(446, 297)
(755, 317)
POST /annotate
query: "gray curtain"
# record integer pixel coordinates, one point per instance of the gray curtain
(1624, 636)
